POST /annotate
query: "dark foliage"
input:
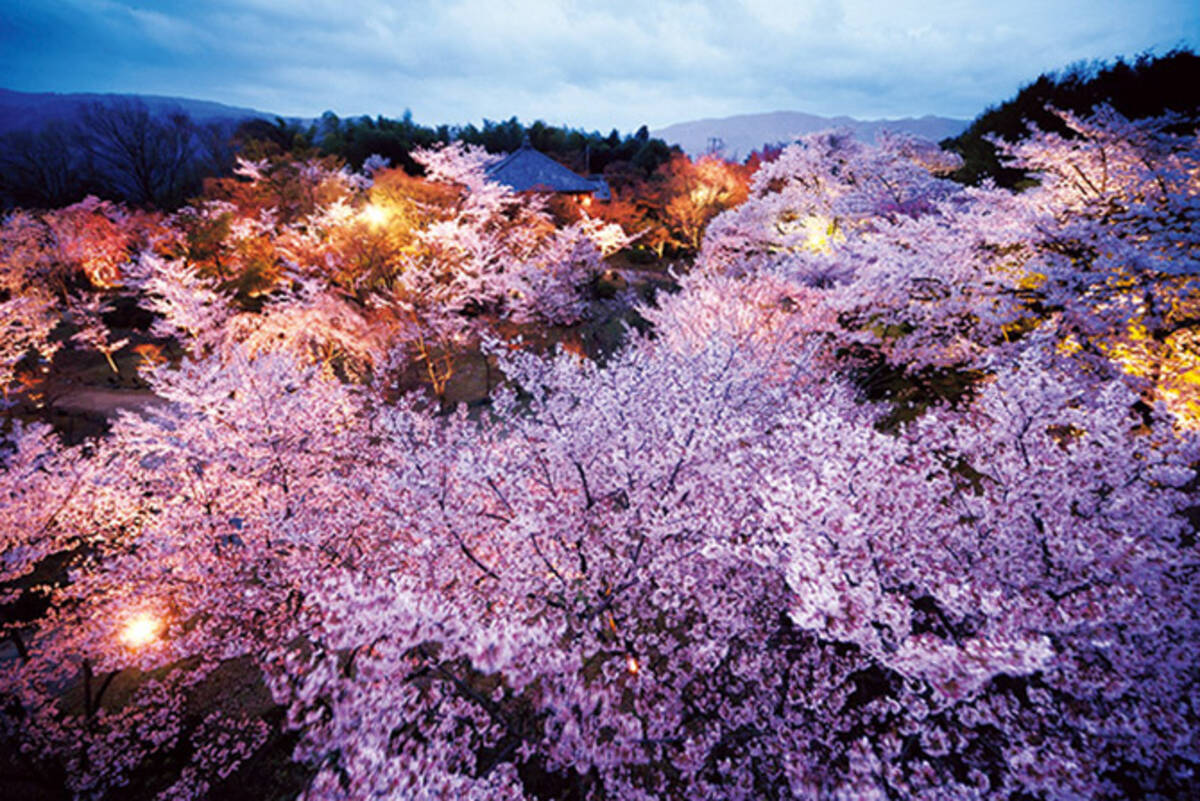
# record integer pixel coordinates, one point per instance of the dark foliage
(354, 139)
(118, 150)
(1148, 86)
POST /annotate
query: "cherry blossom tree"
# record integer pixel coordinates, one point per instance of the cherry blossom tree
(170, 512)
(671, 576)
(712, 567)
(1119, 258)
(569, 555)
(822, 187)
(417, 269)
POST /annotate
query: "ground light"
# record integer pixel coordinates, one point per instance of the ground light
(140, 630)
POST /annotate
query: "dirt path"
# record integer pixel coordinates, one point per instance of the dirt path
(101, 401)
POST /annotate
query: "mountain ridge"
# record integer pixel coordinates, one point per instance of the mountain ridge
(742, 133)
(32, 110)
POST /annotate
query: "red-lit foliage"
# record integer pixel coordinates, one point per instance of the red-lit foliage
(672, 208)
(757, 158)
(694, 192)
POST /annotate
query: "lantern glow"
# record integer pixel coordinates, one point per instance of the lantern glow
(374, 215)
(140, 630)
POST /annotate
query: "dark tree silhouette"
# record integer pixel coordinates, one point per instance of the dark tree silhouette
(1146, 87)
(148, 159)
(43, 169)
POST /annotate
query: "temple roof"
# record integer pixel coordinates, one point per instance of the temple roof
(527, 170)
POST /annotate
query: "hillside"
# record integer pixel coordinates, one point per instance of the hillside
(32, 110)
(1147, 86)
(743, 133)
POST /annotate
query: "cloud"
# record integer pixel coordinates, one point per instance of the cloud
(595, 65)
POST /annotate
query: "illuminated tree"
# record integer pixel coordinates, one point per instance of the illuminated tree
(491, 254)
(1119, 259)
(62, 267)
(695, 192)
(165, 515)
(712, 567)
(822, 187)
(414, 270)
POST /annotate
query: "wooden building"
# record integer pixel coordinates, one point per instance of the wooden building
(528, 170)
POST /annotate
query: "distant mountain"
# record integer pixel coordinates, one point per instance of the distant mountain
(32, 110)
(744, 133)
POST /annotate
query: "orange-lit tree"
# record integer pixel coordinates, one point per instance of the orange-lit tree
(693, 193)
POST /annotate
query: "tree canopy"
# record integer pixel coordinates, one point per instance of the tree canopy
(1147, 86)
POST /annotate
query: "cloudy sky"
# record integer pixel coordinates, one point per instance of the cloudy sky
(587, 64)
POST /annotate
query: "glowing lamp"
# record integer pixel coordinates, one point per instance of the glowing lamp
(141, 629)
(818, 233)
(374, 215)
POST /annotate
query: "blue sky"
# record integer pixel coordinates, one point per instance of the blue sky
(587, 64)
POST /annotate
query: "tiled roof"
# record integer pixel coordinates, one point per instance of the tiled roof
(526, 169)
(600, 190)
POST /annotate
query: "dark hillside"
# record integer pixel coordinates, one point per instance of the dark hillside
(34, 110)
(1148, 86)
